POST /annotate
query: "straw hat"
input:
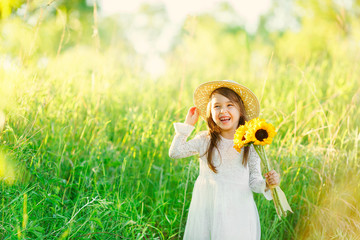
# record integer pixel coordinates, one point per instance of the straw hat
(202, 97)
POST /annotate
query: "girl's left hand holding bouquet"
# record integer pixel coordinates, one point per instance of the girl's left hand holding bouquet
(272, 179)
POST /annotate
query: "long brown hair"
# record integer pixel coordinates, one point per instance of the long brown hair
(214, 130)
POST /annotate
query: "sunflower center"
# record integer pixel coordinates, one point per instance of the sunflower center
(243, 138)
(261, 134)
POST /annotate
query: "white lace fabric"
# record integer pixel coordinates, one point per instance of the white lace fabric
(222, 205)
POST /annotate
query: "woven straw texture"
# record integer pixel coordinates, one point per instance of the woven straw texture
(202, 94)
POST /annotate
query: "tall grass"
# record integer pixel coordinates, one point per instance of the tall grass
(89, 137)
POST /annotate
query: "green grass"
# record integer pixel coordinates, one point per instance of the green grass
(89, 136)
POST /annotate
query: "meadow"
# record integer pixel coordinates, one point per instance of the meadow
(86, 131)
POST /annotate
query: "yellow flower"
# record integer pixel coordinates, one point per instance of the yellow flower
(240, 137)
(260, 132)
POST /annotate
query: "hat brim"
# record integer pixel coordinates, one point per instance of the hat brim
(202, 97)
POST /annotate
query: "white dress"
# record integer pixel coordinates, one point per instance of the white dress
(222, 205)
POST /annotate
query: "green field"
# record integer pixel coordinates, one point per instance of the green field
(86, 130)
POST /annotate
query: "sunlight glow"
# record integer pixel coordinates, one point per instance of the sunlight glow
(145, 42)
(177, 11)
(155, 66)
(2, 120)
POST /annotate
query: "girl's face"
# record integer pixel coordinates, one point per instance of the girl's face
(224, 113)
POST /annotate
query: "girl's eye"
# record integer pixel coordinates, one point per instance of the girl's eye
(230, 105)
(216, 106)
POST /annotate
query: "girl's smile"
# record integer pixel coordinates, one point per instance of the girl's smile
(225, 114)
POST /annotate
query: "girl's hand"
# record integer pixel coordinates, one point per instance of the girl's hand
(192, 116)
(272, 179)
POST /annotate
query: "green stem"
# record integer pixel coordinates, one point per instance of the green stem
(262, 154)
(266, 159)
(278, 204)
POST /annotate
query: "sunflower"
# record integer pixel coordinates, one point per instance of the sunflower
(260, 132)
(240, 137)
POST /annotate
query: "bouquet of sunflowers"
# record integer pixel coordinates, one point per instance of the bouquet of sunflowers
(259, 133)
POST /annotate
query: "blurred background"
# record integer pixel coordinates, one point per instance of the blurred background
(89, 92)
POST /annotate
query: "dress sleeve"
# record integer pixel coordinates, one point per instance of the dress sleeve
(256, 181)
(180, 148)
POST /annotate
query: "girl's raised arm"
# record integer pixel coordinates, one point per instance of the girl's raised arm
(180, 148)
(256, 181)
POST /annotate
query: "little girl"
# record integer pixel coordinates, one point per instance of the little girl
(222, 205)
